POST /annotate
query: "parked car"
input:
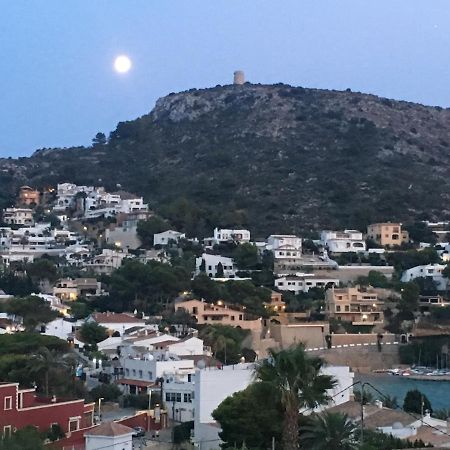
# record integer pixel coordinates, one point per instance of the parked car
(138, 432)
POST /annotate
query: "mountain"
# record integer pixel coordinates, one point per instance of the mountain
(275, 158)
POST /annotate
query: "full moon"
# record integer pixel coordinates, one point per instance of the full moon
(122, 64)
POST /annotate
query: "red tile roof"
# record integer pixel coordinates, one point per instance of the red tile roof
(109, 429)
(138, 383)
(110, 317)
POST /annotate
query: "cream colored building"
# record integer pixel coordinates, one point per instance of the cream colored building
(387, 234)
(220, 313)
(69, 289)
(360, 306)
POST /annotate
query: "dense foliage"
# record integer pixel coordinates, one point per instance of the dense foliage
(244, 420)
(416, 402)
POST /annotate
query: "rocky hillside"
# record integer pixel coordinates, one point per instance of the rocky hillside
(275, 158)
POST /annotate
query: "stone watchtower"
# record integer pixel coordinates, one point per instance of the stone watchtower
(239, 77)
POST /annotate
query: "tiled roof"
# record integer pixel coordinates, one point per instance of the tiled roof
(140, 383)
(110, 317)
(110, 429)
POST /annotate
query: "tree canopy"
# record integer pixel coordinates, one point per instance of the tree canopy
(33, 310)
(92, 333)
(244, 421)
(416, 402)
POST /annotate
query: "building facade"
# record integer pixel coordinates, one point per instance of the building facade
(304, 282)
(22, 407)
(429, 271)
(210, 264)
(343, 241)
(387, 234)
(219, 313)
(360, 306)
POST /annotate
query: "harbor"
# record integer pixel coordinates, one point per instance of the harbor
(397, 386)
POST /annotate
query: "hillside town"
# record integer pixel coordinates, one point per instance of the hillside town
(161, 327)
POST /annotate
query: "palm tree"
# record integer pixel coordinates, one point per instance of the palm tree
(297, 378)
(43, 362)
(329, 431)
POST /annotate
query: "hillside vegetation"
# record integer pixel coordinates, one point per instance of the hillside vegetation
(273, 158)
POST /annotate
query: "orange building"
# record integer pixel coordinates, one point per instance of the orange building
(29, 196)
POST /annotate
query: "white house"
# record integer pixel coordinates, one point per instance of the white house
(179, 398)
(275, 241)
(60, 328)
(303, 282)
(107, 261)
(343, 241)
(140, 373)
(211, 263)
(287, 250)
(18, 216)
(185, 347)
(432, 271)
(109, 435)
(116, 322)
(166, 236)
(226, 235)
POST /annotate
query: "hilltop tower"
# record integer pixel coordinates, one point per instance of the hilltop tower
(239, 77)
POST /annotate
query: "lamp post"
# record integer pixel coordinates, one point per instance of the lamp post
(100, 407)
(149, 398)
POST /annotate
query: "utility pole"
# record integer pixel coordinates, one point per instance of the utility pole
(362, 413)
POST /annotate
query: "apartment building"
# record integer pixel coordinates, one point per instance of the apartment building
(219, 313)
(359, 306)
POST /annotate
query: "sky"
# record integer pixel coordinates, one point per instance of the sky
(58, 87)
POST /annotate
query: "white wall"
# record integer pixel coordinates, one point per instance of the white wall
(124, 442)
(59, 328)
(192, 346)
(213, 385)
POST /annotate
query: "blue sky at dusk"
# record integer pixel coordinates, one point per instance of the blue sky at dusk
(58, 87)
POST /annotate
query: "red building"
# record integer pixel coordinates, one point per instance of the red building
(22, 407)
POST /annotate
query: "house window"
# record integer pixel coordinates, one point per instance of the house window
(7, 431)
(127, 371)
(134, 372)
(187, 398)
(140, 374)
(189, 377)
(338, 308)
(179, 397)
(7, 404)
(150, 375)
(73, 424)
(347, 308)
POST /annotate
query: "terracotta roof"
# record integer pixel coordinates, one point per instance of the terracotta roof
(124, 195)
(432, 436)
(386, 417)
(110, 317)
(110, 429)
(138, 383)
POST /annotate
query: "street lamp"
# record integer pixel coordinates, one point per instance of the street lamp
(100, 407)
